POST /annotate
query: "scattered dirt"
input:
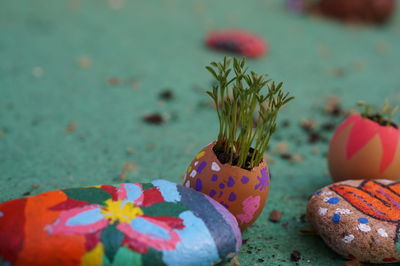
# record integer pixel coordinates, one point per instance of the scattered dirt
(225, 157)
(307, 231)
(114, 81)
(281, 147)
(296, 158)
(333, 106)
(286, 156)
(353, 263)
(338, 72)
(155, 119)
(71, 128)
(314, 136)
(167, 95)
(378, 118)
(128, 168)
(150, 147)
(275, 216)
(307, 124)
(234, 261)
(84, 62)
(135, 85)
(328, 126)
(295, 256)
(285, 124)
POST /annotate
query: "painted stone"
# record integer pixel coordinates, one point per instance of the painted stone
(368, 11)
(237, 41)
(243, 192)
(363, 149)
(359, 219)
(157, 223)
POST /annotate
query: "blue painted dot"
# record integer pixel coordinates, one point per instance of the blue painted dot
(363, 220)
(221, 185)
(212, 193)
(214, 178)
(336, 218)
(201, 167)
(199, 184)
(231, 182)
(333, 200)
(318, 192)
(232, 197)
(1, 214)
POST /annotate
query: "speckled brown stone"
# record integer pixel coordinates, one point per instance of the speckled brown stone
(359, 219)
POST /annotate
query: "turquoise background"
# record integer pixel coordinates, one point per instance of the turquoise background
(149, 46)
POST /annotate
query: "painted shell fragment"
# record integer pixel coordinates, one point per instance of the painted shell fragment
(243, 192)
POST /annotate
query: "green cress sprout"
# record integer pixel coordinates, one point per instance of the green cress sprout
(247, 105)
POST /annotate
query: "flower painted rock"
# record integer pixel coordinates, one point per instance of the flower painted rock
(363, 149)
(159, 223)
(243, 192)
(237, 41)
(359, 219)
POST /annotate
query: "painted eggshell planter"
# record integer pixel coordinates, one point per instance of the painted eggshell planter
(243, 192)
(359, 219)
(158, 223)
(363, 149)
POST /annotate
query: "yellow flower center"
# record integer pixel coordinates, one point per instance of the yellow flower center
(120, 211)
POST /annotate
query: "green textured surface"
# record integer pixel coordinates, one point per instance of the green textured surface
(158, 44)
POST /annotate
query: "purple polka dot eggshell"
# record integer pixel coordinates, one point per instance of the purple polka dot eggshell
(243, 192)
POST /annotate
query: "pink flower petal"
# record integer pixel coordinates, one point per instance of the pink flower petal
(150, 232)
(84, 220)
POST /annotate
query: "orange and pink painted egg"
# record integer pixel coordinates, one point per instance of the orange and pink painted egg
(243, 192)
(364, 149)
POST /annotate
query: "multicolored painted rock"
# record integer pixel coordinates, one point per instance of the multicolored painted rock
(243, 192)
(159, 223)
(359, 219)
(237, 41)
(363, 149)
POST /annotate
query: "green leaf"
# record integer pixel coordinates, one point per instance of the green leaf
(91, 195)
(127, 257)
(152, 258)
(147, 186)
(164, 209)
(111, 238)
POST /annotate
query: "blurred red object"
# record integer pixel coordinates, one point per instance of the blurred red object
(370, 11)
(237, 41)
